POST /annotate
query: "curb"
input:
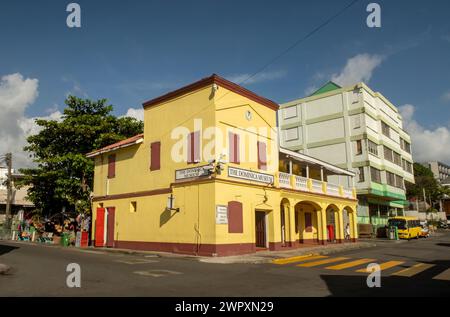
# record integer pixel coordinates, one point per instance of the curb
(268, 258)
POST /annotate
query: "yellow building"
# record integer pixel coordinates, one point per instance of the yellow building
(207, 177)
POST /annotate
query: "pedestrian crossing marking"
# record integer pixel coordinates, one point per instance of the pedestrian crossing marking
(383, 266)
(413, 270)
(444, 276)
(298, 259)
(320, 262)
(347, 265)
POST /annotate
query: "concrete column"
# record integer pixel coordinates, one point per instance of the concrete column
(290, 167)
(307, 171)
(354, 224)
(291, 217)
(340, 235)
(323, 216)
(321, 174)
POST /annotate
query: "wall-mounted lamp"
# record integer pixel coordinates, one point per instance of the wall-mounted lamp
(171, 203)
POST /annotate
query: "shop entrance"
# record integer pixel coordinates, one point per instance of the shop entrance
(260, 229)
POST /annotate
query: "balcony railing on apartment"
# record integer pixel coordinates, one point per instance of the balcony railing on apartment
(313, 185)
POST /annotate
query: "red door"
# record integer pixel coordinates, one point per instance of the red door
(100, 227)
(260, 222)
(111, 226)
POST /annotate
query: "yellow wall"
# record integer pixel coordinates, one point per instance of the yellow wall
(195, 222)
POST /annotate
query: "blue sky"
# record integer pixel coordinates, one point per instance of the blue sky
(132, 51)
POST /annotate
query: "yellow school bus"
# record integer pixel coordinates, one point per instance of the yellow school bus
(408, 227)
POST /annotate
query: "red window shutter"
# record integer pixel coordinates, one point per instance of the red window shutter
(237, 149)
(194, 147)
(234, 148)
(112, 166)
(155, 155)
(262, 156)
(235, 220)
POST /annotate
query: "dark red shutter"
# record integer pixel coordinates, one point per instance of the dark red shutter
(262, 156)
(194, 147)
(155, 154)
(112, 166)
(235, 221)
(237, 149)
(234, 148)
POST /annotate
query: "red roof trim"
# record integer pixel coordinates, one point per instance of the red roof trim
(122, 143)
(209, 81)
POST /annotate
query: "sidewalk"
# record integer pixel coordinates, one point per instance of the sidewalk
(268, 256)
(252, 258)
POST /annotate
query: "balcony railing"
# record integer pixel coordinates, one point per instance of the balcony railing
(285, 180)
(317, 186)
(313, 185)
(301, 182)
(333, 190)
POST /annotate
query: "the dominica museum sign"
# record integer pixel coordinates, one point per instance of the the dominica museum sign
(250, 175)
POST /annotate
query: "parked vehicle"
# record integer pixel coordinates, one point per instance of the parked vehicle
(424, 231)
(442, 225)
(408, 227)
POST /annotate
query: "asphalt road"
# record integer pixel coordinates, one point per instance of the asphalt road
(41, 271)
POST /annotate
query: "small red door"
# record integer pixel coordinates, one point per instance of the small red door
(111, 226)
(100, 227)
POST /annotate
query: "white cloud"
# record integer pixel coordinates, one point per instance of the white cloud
(446, 96)
(135, 113)
(258, 78)
(427, 144)
(16, 95)
(358, 68)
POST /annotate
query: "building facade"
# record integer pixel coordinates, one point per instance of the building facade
(360, 130)
(440, 171)
(207, 177)
(19, 200)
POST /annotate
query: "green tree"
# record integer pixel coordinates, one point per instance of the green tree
(63, 177)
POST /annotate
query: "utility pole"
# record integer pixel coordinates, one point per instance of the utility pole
(8, 159)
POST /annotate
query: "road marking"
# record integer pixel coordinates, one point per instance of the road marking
(299, 258)
(320, 262)
(383, 266)
(137, 261)
(157, 273)
(346, 265)
(444, 276)
(413, 270)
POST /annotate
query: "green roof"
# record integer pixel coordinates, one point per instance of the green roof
(326, 88)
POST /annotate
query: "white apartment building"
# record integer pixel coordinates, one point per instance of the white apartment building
(360, 130)
(440, 170)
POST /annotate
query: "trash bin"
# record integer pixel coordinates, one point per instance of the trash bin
(392, 233)
(65, 239)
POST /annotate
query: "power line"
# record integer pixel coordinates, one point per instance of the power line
(273, 60)
(307, 36)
